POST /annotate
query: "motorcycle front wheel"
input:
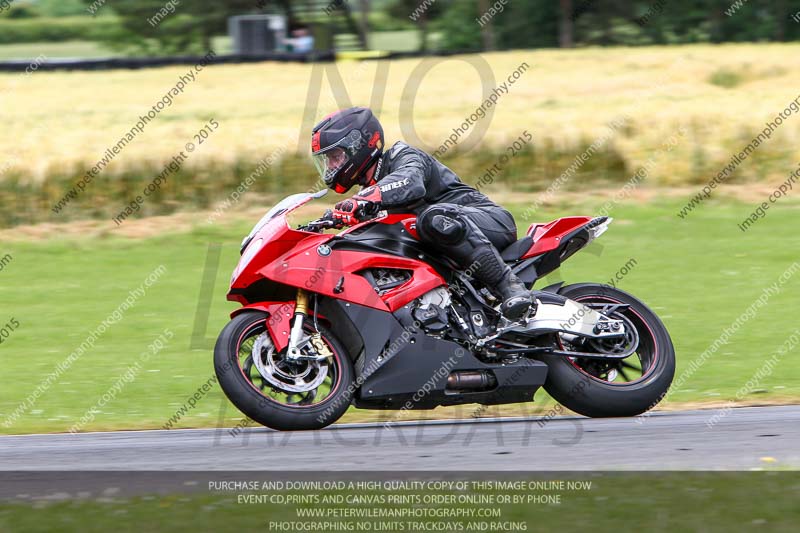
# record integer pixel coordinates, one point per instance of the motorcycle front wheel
(275, 392)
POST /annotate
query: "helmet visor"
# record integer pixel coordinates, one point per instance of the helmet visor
(329, 162)
(333, 158)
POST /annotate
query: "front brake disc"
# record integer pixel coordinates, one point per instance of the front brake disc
(302, 376)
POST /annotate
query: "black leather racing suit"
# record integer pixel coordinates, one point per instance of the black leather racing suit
(452, 217)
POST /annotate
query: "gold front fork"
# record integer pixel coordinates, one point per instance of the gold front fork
(300, 311)
(300, 314)
(302, 302)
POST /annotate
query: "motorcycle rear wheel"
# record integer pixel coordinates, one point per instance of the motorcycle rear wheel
(595, 389)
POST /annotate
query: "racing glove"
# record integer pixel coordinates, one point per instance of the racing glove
(361, 206)
(344, 213)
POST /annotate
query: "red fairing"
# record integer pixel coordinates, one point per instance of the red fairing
(408, 220)
(304, 267)
(280, 314)
(398, 217)
(548, 236)
(411, 226)
(294, 258)
(274, 240)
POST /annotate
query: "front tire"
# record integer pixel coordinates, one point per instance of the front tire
(270, 402)
(590, 388)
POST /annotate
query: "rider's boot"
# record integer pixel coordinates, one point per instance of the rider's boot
(501, 281)
(444, 227)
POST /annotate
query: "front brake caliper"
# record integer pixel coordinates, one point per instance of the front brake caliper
(320, 346)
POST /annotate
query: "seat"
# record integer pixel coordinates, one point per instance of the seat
(517, 249)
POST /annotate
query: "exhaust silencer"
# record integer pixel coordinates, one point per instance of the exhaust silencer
(471, 380)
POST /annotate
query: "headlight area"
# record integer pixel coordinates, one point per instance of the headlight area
(251, 249)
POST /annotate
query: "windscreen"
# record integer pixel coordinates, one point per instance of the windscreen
(284, 206)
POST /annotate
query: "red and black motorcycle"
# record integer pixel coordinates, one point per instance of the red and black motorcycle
(372, 318)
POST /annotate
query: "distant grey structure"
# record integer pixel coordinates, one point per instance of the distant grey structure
(257, 34)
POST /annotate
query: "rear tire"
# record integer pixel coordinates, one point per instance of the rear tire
(251, 395)
(592, 396)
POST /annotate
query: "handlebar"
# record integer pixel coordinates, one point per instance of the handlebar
(319, 225)
(326, 221)
(367, 212)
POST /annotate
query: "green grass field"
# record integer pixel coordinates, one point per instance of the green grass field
(698, 274)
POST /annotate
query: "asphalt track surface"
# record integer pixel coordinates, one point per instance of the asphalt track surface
(744, 439)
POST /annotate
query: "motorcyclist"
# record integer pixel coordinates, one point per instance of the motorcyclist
(452, 217)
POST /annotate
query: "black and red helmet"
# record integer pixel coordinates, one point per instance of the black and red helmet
(344, 145)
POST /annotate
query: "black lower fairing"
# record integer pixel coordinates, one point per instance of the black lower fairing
(399, 366)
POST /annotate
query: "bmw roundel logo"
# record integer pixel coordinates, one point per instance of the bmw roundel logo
(324, 250)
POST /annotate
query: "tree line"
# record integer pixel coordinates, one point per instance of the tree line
(471, 24)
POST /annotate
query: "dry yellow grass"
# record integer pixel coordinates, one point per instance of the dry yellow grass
(53, 119)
